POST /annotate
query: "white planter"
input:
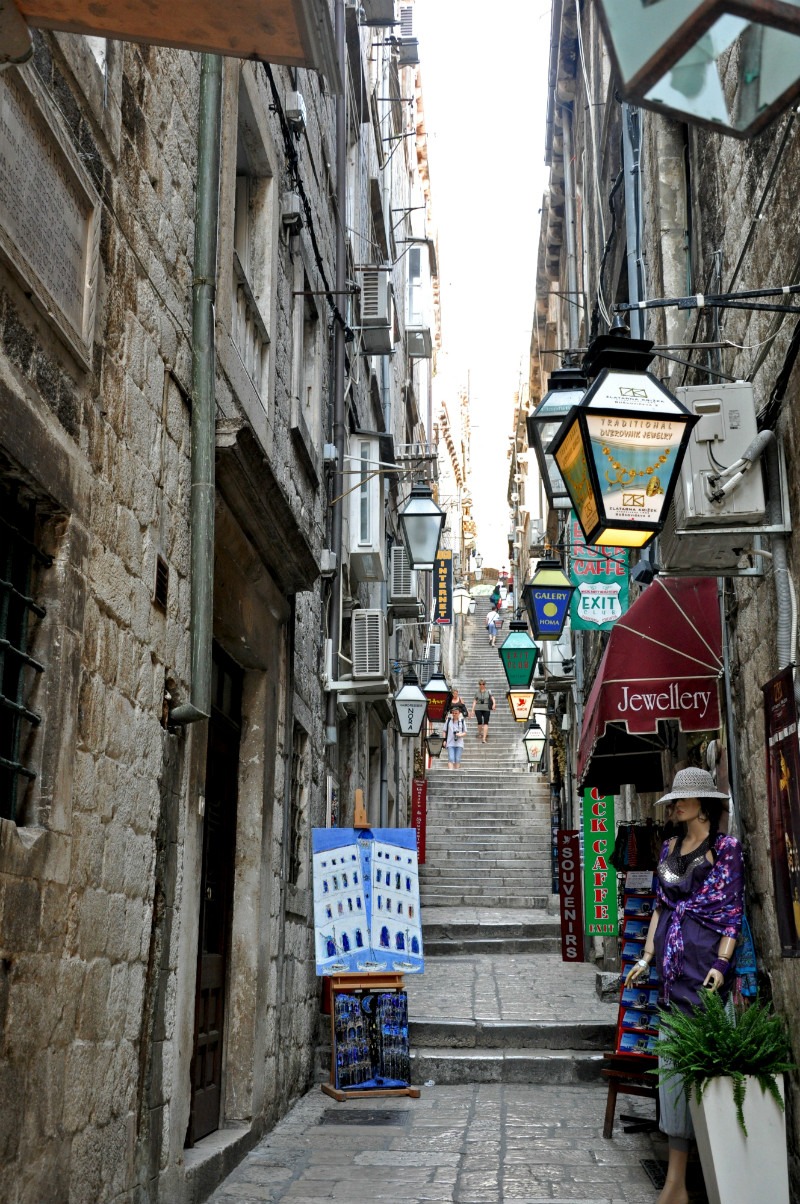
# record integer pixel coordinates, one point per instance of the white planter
(739, 1169)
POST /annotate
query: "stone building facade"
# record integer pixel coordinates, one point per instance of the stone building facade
(158, 1004)
(640, 207)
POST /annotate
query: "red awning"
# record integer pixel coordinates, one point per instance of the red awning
(663, 661)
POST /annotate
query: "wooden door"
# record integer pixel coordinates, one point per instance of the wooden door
(216, 894)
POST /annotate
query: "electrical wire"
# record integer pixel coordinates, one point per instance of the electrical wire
(293, 170)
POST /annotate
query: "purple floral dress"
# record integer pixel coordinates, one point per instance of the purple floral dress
(698, 907)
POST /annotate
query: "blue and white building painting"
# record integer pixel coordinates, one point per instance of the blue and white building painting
(366, 900)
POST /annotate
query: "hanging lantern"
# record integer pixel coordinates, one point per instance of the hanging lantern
(620, 451)
(518, 654)
(534, 741)
(422, 522)
(461, 600)
(730, 65)
(521, 704)
(438, 694)
(565, 389)
(547, 598)
(410, 705)
(433, 743)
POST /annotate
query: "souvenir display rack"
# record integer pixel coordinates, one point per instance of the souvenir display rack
(369, 1037)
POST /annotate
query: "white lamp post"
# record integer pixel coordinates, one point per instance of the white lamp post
(410, 705)
(422, 522)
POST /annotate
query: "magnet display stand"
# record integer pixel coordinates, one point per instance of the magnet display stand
(369, 1037)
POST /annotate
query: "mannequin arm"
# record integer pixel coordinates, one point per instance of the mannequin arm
(637, 969)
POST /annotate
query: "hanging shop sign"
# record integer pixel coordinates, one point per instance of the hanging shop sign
(783, 794)
(599, 875)
(601, 578)
(569, 870)
(419, 814)
(443, 588)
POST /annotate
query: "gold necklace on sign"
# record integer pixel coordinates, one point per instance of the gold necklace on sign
(626, 476)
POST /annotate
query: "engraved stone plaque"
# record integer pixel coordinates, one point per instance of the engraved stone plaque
(49, 210)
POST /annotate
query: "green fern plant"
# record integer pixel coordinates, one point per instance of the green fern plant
(713, 1041)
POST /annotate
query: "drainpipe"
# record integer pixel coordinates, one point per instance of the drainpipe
(573, 321)
(331, 732)
(384, 751)
(632, 170)
(203, 391)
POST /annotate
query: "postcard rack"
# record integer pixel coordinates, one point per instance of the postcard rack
(369, 1037)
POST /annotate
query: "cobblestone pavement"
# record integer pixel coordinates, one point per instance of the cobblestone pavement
(478, 1144)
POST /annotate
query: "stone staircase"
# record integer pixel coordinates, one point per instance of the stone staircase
(496, 1003)
(488, 832)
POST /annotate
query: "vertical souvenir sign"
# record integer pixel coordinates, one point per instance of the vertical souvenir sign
(419, 812)
(783, 793)
(601, 576)
(443, 588)
(569, 867)
(599, 875)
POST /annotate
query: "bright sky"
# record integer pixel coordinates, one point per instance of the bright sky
(484, 87)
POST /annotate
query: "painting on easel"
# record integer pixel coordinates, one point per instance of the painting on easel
(366, 901)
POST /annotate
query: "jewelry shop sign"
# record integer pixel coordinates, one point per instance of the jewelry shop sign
(783, 795)
(49, 211)
(601, 576)
(599, 875)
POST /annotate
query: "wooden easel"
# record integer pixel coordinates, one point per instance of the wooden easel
(385, 981)
(354, 983)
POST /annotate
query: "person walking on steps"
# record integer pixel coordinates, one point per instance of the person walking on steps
(455, 730)
(692, 935)
(482, 706)
(491, 626)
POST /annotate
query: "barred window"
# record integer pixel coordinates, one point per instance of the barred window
(21, 561)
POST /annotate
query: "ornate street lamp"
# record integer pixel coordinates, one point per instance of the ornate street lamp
(478, 560)
(433, 743)
(534, 741)
(730, 65)
(518, 654)
(547, 598)
(410, 705)
(620, 451)
(422, 522)
(565, 389)
(438, 694)
(521, 704)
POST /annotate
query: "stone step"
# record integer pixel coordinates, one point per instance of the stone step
(444, 897)
(522, 862)
(597, 1036)
(470, 873)
(463, 1066)
(459, 928)
(503, 945)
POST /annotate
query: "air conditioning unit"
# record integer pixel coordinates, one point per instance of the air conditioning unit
(726, 429)
(409, 45)
(378, 12)
(368, 643)
(376, 310)
(402, 583)
(365, 537)
(419, 342)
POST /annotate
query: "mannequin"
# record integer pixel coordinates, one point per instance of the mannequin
(692, 935)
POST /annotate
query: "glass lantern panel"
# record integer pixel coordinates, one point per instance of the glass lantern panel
(634, 458)
(422, 538)
(639, 28)
(611, 537)
(574, 470)
(734, 71)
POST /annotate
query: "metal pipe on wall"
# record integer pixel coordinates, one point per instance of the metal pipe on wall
(573, 319)
(631, 168)
(331, 731)
(204, 392)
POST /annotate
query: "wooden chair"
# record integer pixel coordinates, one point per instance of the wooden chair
(627, 1075)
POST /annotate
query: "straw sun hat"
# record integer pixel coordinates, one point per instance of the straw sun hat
(692, 783)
